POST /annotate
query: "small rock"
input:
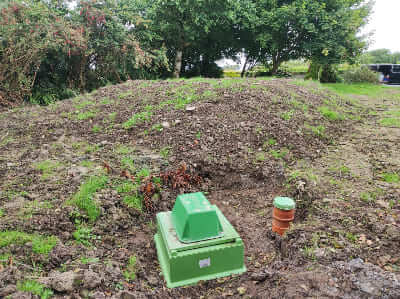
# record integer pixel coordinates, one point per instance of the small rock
(383, 204)
(84, 293)
(97, 295)
(368, 288)
(241, 290)
(177, 121)
(129, 295)
(91, 279)
(78, 171)
(33, 196)
(165, 124)
(61, 282)
(319, 252)
(152, 280)
(190, 108)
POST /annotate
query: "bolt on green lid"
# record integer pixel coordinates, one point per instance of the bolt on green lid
(284, 203)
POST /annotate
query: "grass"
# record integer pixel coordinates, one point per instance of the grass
(287, 115)
(96, 129)
(136, 119)
(368, 89)
(87, 163)
(157, 127)
(279, 154)
(84, 104)
(130, 272)
(40, 244)
(33, 206)
(270, 141)
(126, 187)
(134, 202)
(2, 212)
(86, 115)
(182, 101)
(164, 152)
(84, 198)
(89, 260)
(124, 150)
(341, 169)
(47, 168)
(260, 157)
(34, 287)
(128, 163)
(318, 130)
(83, 235)
(112, 116)
(390, 177)
(366, 196)
(390, 122)
(330, 114)
(85, 148)
(296, 66)
(142, 173)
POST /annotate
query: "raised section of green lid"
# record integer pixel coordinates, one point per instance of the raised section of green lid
(284, 203)
(195, 219)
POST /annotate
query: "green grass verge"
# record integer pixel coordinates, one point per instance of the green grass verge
(372, 90)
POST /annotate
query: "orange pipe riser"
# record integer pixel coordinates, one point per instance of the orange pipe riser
(281, 220)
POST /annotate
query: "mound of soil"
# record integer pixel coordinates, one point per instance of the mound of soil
(233, 139)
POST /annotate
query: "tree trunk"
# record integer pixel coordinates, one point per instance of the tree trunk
(178, 63)
(275, 64)
(244, 67)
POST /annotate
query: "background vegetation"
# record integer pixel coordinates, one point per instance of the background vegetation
(50, 49)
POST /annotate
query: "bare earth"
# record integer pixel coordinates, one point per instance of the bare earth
(247, 141)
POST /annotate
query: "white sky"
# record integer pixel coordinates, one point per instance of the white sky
(384, 24)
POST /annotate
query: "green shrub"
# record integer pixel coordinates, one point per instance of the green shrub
(360, 74)
(329, 74)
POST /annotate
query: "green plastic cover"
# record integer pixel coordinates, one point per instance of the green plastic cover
(284, 203)
(187, 263)
(195, 219)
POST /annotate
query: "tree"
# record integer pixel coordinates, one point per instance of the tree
(333, 34)
(181, 24)
(325, 31)
(45, 52)
(380, 56)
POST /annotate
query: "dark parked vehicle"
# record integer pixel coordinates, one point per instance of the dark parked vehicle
(390, 72)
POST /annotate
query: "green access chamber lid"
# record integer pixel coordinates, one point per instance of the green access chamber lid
(196, 242)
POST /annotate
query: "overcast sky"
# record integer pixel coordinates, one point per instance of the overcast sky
(385, 24)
